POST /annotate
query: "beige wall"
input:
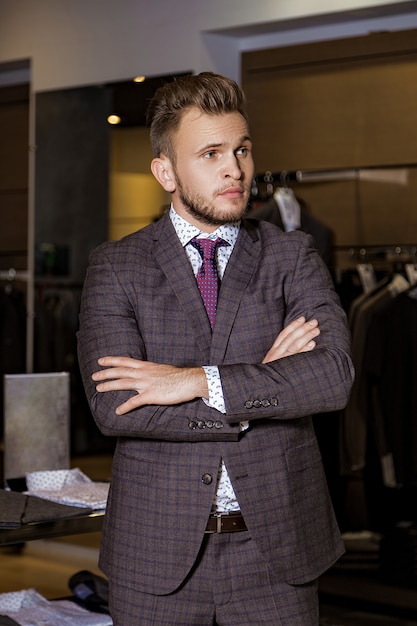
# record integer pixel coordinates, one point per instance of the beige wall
(78, 42)
(135, 197)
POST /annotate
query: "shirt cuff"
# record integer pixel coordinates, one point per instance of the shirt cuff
(214, 384)
(216, 399)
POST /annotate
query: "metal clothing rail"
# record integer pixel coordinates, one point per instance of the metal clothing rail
(390, 252)
(392, 173)
(11, 274)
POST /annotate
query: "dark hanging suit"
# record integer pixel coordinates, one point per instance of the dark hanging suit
(322, 234)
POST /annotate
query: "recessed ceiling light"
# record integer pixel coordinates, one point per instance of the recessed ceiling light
(139, 79)
(114, 119)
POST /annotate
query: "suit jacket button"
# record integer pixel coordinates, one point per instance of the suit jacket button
(218, 424)
(207, 479)
(248, 404)
(209, 423)
(257, 404)
(265, 402)
(201, 424)
(192, 425)
(274, 401)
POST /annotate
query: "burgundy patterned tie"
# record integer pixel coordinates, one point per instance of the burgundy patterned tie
(207, 277)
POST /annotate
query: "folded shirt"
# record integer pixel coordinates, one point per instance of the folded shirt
(19, 508)
(70, 487)
(29, 608)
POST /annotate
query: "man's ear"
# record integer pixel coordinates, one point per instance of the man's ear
(163, 171)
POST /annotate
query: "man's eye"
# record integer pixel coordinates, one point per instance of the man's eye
(242, 151)
(209, 155)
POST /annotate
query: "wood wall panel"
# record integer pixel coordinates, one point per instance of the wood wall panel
(14, 133)
(14, 168)
(14, 221)
(350, 103)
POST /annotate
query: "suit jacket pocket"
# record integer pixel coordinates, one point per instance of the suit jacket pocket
(133, 464)
(303, 457)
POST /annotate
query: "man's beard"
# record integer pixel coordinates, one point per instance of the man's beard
(198, 207)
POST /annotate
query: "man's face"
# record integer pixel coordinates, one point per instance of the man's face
(214, 168)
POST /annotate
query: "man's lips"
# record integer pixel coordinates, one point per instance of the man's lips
(233, 192)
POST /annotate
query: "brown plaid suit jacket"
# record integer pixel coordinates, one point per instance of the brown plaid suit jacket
(141, 300)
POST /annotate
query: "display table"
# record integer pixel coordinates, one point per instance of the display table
(80, 524)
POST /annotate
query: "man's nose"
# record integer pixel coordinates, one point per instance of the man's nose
(231, 167)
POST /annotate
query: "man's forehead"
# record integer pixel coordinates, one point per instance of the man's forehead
(201, 127)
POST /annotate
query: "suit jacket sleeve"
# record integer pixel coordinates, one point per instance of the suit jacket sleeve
(302, 384)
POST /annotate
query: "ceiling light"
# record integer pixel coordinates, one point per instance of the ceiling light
(114, 119)
(139, 79)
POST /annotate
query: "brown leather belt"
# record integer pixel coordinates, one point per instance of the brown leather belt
(226, 523)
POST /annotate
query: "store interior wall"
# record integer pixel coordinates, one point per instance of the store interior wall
(135, 197)
(91, 43)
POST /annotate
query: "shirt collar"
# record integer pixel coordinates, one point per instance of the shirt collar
(187, 231)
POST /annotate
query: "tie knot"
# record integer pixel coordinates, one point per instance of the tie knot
(207, 247)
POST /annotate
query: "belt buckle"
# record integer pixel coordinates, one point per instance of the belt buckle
(219, 522)
(218, 518)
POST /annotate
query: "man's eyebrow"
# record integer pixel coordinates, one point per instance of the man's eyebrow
(211, 146)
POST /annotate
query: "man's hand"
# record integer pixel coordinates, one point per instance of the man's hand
(154, 383)
(295, 338)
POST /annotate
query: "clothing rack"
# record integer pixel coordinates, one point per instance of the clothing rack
(11, 274)
(406, 253)
(285, 177)
(368, 259)
(393, 258)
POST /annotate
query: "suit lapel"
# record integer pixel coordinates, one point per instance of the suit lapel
(173, 261)
(240, 268)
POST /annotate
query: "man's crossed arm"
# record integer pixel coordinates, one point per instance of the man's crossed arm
(157, 383)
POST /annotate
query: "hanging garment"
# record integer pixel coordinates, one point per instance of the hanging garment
(321, 233)
(390, 369)
(355, 417)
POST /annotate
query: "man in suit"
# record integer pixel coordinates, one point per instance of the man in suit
(218, 510)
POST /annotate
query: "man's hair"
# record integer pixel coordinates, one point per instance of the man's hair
(210, 93)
